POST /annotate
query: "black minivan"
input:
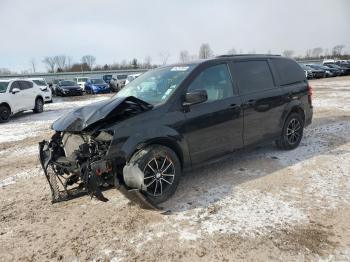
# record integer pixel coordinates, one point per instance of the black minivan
(173, 119)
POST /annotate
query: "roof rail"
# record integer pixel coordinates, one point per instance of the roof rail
(246, 55)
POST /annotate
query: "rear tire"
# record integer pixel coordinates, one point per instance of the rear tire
(5, 113)
(39, 106)
(162, 172)
(292, 132)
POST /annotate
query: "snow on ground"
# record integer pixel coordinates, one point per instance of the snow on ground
(253, 194)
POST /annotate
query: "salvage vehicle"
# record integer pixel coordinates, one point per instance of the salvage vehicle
(173, 119)
(118, 82)
(68, 88)
(80, 81)
(18, 95)
(96, 86)
(41, 82)
(329, 72)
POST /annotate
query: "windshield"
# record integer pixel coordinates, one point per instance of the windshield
(108, 77)
(97, 81)
(68, 83)
(305, 67)
(156, 86)
(3, 86)
(119, 77)
(39, 82)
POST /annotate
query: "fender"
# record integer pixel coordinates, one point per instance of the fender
(163, 135)
(294, 105)
(7, 105)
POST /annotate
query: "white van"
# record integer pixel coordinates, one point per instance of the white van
(80, 81)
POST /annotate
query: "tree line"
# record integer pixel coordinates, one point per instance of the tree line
(64, 63)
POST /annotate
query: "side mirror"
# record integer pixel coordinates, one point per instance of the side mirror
(15, 90)
(195, 97)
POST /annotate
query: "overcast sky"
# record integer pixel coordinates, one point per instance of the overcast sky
(113, 30)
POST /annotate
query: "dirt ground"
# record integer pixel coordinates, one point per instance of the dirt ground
(263, 205)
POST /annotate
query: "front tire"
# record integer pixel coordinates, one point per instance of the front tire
(292, 132)
(39, 106)
(162, 171)
(5, 113)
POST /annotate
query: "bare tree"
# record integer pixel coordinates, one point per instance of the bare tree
(232, 51)
(317, 51)
(337, 50)
(184, 56)
(164, 56)
(288, 53)
(5, 71)
(33, 64)
(326, 52)
(308, 53)
(90, 60)
(147, 62)
(50, 63)
(60, 61)
(205, 51)
(69, 62)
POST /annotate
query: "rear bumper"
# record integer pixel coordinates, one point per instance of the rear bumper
(308, 116)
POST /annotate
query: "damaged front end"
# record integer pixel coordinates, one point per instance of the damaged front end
(74, 164)
(78, 160)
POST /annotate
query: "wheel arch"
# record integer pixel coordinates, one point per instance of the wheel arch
(7, 105)
(39, 97)
(295, 107)
(167, 142)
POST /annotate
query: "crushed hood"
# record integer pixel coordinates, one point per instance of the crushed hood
(117, 108)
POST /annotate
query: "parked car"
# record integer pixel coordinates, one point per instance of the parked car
(96, 86)
(118, 82)
(19, 95)
(80, 81)
(107, 78)
(175, 118)
(41, 82)
(307, 71)
(68, 88)
(316, 73)
(343, 70)
(131, 78)
(329, 72)
(343, 64)
(53, 85)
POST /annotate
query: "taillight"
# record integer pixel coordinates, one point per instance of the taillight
(309, 93)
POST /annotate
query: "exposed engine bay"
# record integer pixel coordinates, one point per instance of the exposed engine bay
(74, 164)
(76, 160)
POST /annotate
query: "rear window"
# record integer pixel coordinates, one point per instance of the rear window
(252, 76)
(120, 77)
(289, 71)
(3, 86)
(67, 83)
(40, 82)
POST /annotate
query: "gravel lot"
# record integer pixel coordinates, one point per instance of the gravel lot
(263, 205)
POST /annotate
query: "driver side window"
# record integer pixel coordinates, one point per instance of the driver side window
(216, 81)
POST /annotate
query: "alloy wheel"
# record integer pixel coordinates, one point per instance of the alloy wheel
(293, 131)
(159, 174)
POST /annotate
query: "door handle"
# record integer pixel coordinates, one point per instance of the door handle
(249, 103)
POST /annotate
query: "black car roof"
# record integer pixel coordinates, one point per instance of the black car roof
(225, 57)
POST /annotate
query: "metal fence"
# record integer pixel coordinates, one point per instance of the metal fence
(49, 77)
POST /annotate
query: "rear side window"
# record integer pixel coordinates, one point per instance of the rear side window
(252, 76)
(25, 85)
(289, 71)
(15, 84)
